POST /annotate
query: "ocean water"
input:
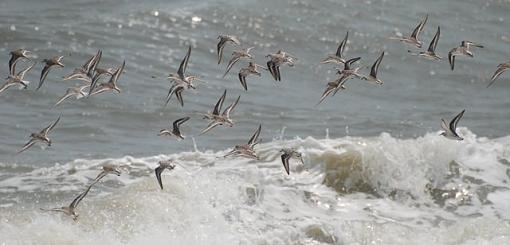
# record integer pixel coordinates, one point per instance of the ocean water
(376, 170)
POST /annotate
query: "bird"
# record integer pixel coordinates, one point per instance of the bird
(337, 58)
(450, 130)
(431, 51)
(413, 39)
(55, 61)
(78, 92)
(175, 130)
(112, 83)
(501, 68)
(277, 59)
(17, 79)
(348, 71)
(334, 86)
(247, 150)
(463, 49)
(107, 169)
(162, 166)
(220, 119)
(16, 55)
(224, 39)
(245, 71)
(372, 77)
(42, 136)
(71, 209)
(287, 154)
(236, 56)
(85, 72)
(180, 80)
(99, 72)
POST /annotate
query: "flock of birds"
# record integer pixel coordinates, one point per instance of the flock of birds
(93, 78)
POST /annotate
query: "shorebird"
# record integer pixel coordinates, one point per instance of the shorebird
(277, 59)
(162, 166)
(112, 83)
(245, 71)
(236, 56)
(431, 51)
(19, 78)
(247, 150)
(501, 68)
(413, 39)
(450, 130)
(337, 58)
(107, 169)
(180, 80)
(71, 209)
(175, 130)
(42, 136)
(334, 86)
(78, 92)
(16, 55)
(373, 71)
(287, 154)
(99, 72)
(224, 39)
(85, 73)
(463, 49)
(348, 71)
(223, 118)
(55, 61)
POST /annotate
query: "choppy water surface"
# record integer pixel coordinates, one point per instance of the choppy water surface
(376, 171)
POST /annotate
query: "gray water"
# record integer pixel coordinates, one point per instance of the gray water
(152, 38)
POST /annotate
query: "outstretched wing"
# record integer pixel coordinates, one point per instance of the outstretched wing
(51, 126)
(341, 47)
(419, 27)
(375, 66)
(456, 119)
(177, 123)
(184, 65)
(231, 108)
(255, 137)
(435, 40)
(219, 104)
(158, 172)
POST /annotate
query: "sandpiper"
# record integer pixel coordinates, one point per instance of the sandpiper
(85, 73)
(236, 56)
(175, 130)
(107, 169)
(501, 68)
(334, 86)
(99, 72)
(17, 79)
(247, 150)
(277, 59)
(223, 118)
(337, 58)
(71, 209)
(287, 154)
(55, 61)
(180, 80)
(373, 71)
(463, 49)
(42, 136)
(78, 92)
(348, 71)
(450, 130)
(112, 83)
(413, 39)
(16, 55)
(162, 166)
(431, 51)
(245, 71)
(223, 41)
